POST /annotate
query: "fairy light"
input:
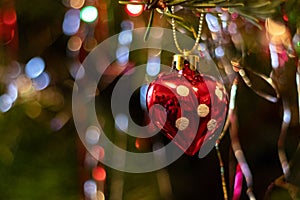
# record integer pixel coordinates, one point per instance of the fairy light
(90, 189)
(77, 4)
(71, 22)
(12, 91)
(99, 173)
(35, 67)
(41, 82)
(125, 37)
(121, 122)
(153, 66)
(5, 103)
(122, 55)
(134, 10)
(9, 17)
(74, 43)
(89, 14)
(92, 135)
(77, 70)
(33, 109)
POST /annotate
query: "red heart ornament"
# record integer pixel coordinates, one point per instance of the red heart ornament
(192, 107)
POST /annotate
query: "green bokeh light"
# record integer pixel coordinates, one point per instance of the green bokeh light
(89, 14)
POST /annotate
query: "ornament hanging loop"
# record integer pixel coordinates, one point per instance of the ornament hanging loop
(173, 23)
(180, 59)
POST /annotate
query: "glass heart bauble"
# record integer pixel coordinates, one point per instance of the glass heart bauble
(192, 106)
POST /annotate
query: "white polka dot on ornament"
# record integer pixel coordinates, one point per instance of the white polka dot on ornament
(182, 90)
(202, 110)
(182, 123)
(211, 125)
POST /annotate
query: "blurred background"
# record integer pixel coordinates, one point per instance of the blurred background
(43, 45)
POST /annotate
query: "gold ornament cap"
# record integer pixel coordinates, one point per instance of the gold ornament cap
(178, 61)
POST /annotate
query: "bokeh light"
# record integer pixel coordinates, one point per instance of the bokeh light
(127, 25)
(99, 173)
(12, 91)
(153, 66)
(77, 70)
(212, 23)
(134, 10)
(92, 135)
(121, 122)
(90, 189)
(98, 152)
(9, 17)
(33, 109)
(219, 52)
(125, 37)
(90, 43)
(14, 69)
(89, 14)
(122, 55)
(59, 120)
(41, 82)
(5, 102)
(77, 4)
(71, 22)
(24, 84)
(35, 67)
(74, 43)
(100, 195)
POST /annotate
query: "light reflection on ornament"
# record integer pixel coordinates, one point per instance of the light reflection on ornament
(287, 116)
(232, 96)
(143, 92)
(35, 67)
(41, 82)
(5, 102)
(274, 56)
(89, 14)
(71, 22)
